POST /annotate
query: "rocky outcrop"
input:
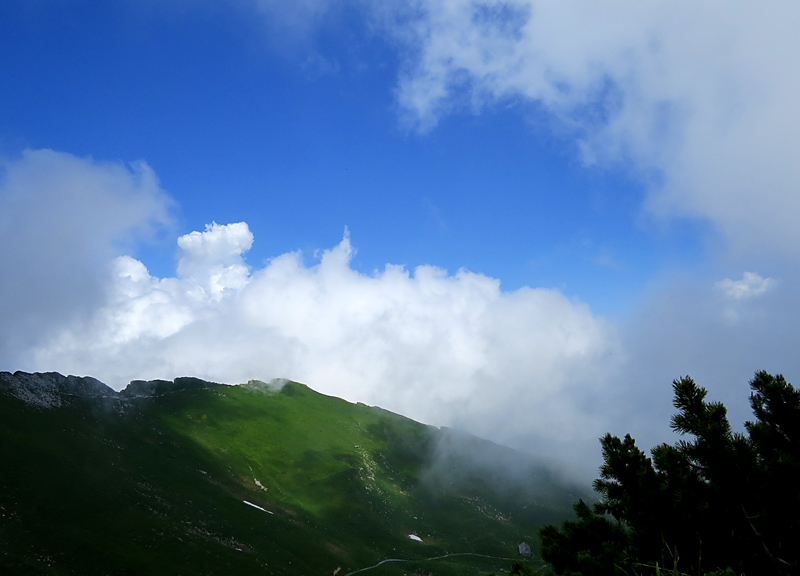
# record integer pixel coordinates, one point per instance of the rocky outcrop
(145, 388)
(51, 389)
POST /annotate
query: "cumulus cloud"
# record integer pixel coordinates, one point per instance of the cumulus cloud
(212, 260)
(750, 286)
(519, 367)
(62, 219)
(700, 98)
(530, 368)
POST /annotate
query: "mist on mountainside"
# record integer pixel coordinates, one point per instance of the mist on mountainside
(166, 475)
(462, 461)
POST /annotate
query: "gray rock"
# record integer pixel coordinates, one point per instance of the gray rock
(148, 388)
(51, 389)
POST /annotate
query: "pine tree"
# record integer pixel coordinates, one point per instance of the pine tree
(716, 501)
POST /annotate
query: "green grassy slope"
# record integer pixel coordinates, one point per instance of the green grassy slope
(154, 481)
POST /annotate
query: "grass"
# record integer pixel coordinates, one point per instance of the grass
(155, 485)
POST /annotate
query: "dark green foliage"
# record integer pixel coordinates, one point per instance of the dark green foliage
(774, 513)
(719, 502)
(591, 545)
(520, 569)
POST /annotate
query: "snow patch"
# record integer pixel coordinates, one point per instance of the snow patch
(415, 538)
(257, 506)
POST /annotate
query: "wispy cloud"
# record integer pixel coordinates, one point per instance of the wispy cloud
(701, 95)
(698, 100)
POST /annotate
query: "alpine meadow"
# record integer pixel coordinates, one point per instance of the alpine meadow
(191, 477)
(399, 287)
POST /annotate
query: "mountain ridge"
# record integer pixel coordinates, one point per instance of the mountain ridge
(258, 477)
(27, 385)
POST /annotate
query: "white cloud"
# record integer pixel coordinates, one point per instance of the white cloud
(446, 349)
(213, 259)
(62, 219)
(698, 99)
(749, 286)
(530, 368)
(704, 94)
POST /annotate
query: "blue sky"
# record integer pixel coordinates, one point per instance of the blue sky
(239, 130)
(626, 161)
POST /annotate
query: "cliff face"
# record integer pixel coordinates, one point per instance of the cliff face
(51, 389)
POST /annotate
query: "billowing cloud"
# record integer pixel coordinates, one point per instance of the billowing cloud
(62, 219)
(530, 368)
(212, 260)
(698, 98)
(446, 349)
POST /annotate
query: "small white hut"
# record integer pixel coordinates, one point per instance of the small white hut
(525, 550)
